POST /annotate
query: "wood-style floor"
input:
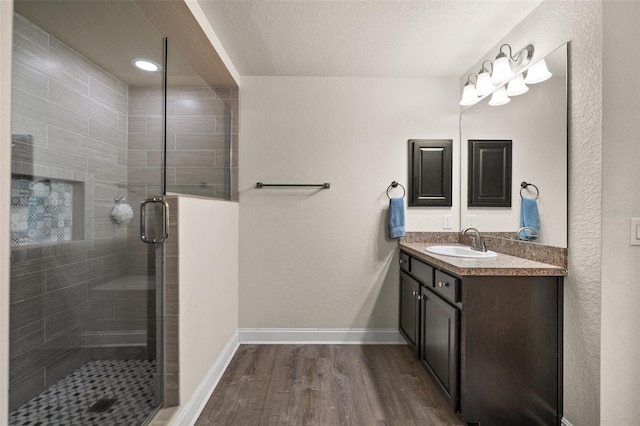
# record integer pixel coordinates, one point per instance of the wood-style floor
(326, 385)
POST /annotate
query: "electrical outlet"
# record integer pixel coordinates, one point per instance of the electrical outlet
(634, 233)
(446, 221)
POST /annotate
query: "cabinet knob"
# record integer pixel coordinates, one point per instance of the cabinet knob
(420, 297)
(402, 261)
(441, 284)
(415, 293)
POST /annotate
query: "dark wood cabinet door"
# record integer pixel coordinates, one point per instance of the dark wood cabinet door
(439, 344)
(511, 366)
(430, 164)
(409, 309)
(489, 173)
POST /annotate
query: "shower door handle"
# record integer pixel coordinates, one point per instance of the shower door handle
(143, 220)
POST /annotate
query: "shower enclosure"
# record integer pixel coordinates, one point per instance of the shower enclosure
(96, 144)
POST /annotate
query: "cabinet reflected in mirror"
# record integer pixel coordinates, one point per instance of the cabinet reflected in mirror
(536, 122)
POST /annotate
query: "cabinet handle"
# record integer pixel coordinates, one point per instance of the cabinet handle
(441, 284)
(415, 293)
(402, 261)
(420, 297)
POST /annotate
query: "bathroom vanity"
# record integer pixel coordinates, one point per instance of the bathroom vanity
(489, 332)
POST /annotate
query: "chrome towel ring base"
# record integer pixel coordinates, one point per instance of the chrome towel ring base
(395, 184)
(525, 185)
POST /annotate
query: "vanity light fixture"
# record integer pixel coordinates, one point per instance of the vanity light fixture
(499, 97)
(538, 73)
(469, 95)
(483, 82)
(146, 64)
(502, 71)
(517, 86)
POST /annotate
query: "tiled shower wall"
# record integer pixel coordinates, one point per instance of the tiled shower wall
(77, 116)
(230, 96)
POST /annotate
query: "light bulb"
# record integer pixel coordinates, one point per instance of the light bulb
(501, 70)
(483, 84)
(537, 73)
(516, 86)
(469, 96)
(146, 64)
(499, 97)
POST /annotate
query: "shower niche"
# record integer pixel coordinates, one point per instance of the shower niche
(45, 211)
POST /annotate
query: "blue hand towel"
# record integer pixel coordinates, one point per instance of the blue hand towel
(529, 217)
(396, 218)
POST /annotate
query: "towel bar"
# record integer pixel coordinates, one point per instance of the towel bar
(325, 185)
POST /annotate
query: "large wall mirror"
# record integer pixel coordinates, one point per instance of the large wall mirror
(536, 123)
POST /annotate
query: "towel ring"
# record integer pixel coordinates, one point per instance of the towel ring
(395, 184)
(525, 185)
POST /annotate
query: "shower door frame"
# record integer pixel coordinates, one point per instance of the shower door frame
(6, 38)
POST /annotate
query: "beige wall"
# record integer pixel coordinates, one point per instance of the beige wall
(620, 369)
(6, 29)
(208, 268)
(547, 27)
(320, 258)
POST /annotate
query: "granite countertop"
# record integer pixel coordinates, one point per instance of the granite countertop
(503, 264)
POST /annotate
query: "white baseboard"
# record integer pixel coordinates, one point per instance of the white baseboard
(188, 412)
(566, 422)
(320, 336)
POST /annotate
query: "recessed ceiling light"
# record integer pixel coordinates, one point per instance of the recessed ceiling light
(146, 64)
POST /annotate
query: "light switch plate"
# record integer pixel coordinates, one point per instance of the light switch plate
(634, 233)
(471, 220)
(446, 221)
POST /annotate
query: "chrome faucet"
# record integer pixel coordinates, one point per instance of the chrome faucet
(534, 233)
(477, 243)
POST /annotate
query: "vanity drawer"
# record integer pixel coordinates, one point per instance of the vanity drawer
(447, 286)
(422, 271)
(404, 261)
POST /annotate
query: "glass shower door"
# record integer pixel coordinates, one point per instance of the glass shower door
(87, 150)
(199, 131)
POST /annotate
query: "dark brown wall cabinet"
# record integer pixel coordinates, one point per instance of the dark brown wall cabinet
(430, 163)
(489, 173)
(493, 344)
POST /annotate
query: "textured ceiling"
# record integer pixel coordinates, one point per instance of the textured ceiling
(361, 38)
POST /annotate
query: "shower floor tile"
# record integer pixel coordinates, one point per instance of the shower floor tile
(68, 402)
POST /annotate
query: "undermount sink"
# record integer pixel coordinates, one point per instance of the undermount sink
(461, 251)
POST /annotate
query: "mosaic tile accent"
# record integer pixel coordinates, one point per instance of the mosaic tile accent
(41, 211)
(69, 401)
